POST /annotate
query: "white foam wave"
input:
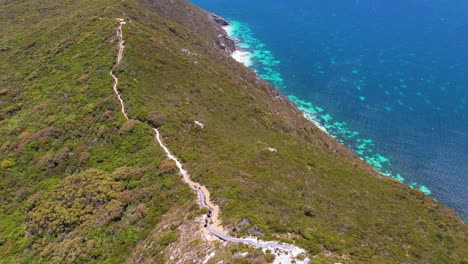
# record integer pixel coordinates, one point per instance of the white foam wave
(312, 118)
(228, 30)
(243, 57)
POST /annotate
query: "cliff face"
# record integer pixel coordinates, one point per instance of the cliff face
(78, 182)
(202, 23)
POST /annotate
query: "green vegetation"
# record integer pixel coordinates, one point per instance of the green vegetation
(79, 183)
(168, 238)
(269, 257)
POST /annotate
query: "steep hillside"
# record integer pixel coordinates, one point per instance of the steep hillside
(78, 182)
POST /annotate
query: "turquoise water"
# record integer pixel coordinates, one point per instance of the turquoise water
(388, 79)
(260, 58)
(265, 65)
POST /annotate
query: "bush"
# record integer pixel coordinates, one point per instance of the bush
(156, 119)
(168, 239)
(6, 164)
(309, 211)
(74, 201)
(269, 257)
(167, 166)
(129, 125)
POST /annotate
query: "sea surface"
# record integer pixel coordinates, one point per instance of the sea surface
(388, 79)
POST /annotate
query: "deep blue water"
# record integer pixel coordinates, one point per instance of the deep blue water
(389, 79)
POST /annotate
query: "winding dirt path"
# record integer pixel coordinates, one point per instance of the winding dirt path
(119, 58)
(285, 252)
(202, 191)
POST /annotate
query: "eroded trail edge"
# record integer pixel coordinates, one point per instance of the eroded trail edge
(285, 253)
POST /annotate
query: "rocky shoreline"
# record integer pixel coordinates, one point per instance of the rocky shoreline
(225, 42)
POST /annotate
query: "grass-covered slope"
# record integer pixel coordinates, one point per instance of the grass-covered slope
(78, 181)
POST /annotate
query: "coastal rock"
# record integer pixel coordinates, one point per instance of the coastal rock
(226, 43)
(221, 21)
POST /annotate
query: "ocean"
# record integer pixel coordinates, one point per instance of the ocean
(388, 79)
